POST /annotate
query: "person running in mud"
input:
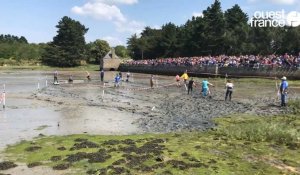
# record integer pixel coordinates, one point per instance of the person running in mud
(102, 75)
(88, 76)
(185, 77)
(177, 78)
(70, 79)
(205, 88)
(127, 76)
(229, 89)
(151, 81)
(55, 77)
(190, 85)
(283, 91)
(117, 80)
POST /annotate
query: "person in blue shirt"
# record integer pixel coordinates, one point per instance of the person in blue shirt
(205, 88)
(117, 80)
(283, 91)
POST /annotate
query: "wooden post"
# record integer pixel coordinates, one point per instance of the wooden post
(3, 97)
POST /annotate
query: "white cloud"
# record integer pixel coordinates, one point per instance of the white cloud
(108, 10)
(157, 27)
(100, 11)
(113, 41)
(198, 14)
(130, 27)
(284, 2)
(113, 2)
(288, 2)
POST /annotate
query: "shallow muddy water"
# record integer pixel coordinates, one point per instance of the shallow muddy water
(26, 117)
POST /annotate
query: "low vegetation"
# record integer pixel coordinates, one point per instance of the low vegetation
(241, 144)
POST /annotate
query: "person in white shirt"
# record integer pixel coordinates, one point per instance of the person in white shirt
(229, 90)
(127, 76)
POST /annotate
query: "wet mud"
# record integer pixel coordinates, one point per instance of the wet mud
(133, 108)
(62, 166)
(161, 109)
(7, 165)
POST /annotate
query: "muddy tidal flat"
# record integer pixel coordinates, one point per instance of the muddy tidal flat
(92, 127)
(32, 108)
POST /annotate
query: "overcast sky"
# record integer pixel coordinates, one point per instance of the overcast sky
(113, 20)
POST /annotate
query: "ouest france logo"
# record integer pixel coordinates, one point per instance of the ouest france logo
(275, 19)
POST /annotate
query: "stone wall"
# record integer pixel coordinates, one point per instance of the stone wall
(111, 64)
(211, 71)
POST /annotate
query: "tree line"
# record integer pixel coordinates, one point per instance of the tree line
(214, 33)
(18, 48)
(67, 49)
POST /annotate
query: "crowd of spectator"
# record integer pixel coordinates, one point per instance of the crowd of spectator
(225, 61)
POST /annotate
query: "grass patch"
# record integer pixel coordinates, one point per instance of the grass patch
(283, 130)
(294, 107)
(241, 145)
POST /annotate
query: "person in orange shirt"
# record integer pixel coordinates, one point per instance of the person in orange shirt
(177, 78)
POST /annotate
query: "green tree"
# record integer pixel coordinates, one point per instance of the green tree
(214, 28)
(133, 47)
(291, 40)
(168, 40)
(68, 46)
(17, 48)
(97, 50)
(237, 31)
(151, 38)
(192, 38)
(121, 51)
(214, 33)
(261, 39)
